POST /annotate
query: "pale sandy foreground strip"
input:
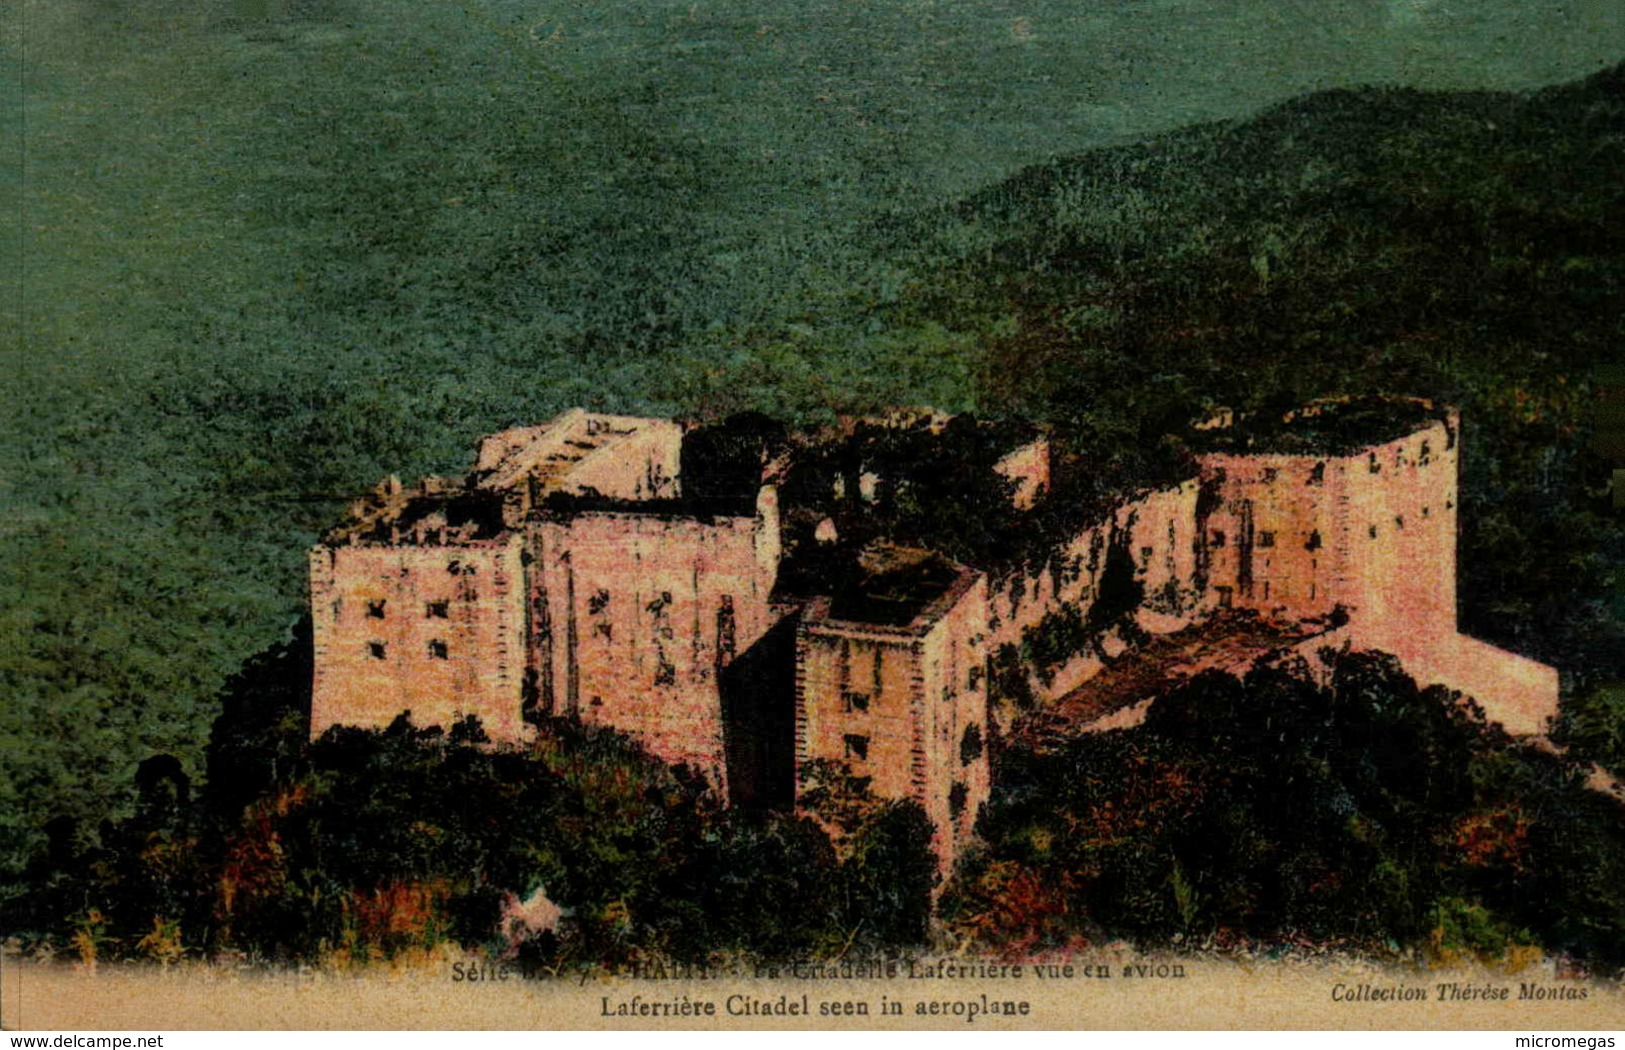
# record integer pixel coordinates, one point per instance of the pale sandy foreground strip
(1213, 994)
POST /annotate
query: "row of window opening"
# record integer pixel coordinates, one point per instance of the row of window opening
(437, 650)
(1266, 538)
(970, 745)
(378, 609)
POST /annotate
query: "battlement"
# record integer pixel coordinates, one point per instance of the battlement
(1325, 428)
(620, 457)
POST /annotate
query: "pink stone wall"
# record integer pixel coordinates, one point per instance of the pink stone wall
(438, 630)
(622, 619)
(1517, 692)
(1160, 531)
(1295, 536)
(634, 615)
(869, 686)
(1072, 576)
(1374, 532)
(1400, 535)
(954, 698)
(1273, 541)
(894, 705)
(1162, 539)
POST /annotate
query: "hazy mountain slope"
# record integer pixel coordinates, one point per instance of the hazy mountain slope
(1467, 247)
(271, 250)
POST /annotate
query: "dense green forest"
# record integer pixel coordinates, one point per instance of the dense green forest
(273, 250)
(367, 844)
(1270, 813)
(1273, 813)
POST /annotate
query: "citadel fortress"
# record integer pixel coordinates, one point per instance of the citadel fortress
(643, 575)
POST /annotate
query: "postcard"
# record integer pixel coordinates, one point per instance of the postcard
(858, 516)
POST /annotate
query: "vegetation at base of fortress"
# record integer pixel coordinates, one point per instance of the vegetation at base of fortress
(1261, 814)
(295, 247)
(1362, 814)
(364, 845)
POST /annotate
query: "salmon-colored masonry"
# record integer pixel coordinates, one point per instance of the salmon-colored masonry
(635, 616)
(620, 614)
(903, 706)
(565, 576)
(437, 630)
(1372, 533)
(1159, 529)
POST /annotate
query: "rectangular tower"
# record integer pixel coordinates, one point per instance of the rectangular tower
(890, 684)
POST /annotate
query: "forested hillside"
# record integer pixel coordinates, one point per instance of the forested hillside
(1462, 247)
(273, 251)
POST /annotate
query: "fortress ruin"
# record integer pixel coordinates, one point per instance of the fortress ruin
(756, 603)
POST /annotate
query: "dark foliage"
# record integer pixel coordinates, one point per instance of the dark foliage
(365, 844)
(258, 738)
(1272, 811)
(1458, 247)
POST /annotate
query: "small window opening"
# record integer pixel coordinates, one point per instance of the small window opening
(970, 745)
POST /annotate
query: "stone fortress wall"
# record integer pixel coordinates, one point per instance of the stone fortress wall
(1158, 529)
(1371, 531)
(904, 706)
(636, 615)
(621, 610)
(435, 629)
(568, 575)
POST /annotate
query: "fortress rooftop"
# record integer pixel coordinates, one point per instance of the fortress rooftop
(559, 455)
(579, 461)
(897, 587)
(1332, 427)
(435, 510)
